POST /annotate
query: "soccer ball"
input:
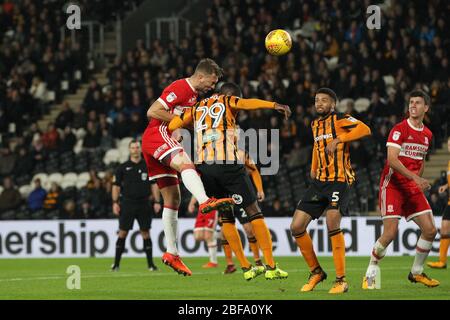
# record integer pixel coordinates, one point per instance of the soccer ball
(278, 42)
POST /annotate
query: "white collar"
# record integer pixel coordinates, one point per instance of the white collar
(190, 85)
(414, 128)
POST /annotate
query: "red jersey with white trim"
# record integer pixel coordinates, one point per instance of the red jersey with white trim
(175, 97)
(413, 144)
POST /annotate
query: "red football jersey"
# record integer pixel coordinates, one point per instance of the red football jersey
(413, 144)
(178, 95)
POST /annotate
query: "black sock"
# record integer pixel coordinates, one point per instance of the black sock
(148, 251)
(120, 247)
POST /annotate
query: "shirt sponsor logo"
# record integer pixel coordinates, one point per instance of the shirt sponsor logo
(144, 176)
(171, 97)
(128, 168)
(413, 150)
(410, 138)
(323, 136)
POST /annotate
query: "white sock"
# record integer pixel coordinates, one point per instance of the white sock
(212, 249)
(378, 252)
(194, 184)
(422, 250)
(170, 223)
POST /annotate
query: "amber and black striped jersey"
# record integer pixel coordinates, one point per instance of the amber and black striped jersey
(214, 121)
(337, 166)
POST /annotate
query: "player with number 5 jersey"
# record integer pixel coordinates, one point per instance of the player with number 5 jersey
(328, 193)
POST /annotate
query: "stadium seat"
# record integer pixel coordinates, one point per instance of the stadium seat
(124, 156)
(80, 133)
(389, 80)
(53, 215)
(38, 215)
(112, 155)
(23, 214)
(56, 177)
(81, 184)
(342, 105)
(78, 146)
(8, 215)
(254, 84)
(101, 174)
(362, 105)
(42, 176)
(69, 179)
(84, 176)
(124, 142)
(25, 190)
(68, 183)
(332, 63)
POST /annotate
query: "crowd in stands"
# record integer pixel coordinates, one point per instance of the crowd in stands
(331, 47)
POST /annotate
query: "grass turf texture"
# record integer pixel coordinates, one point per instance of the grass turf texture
(46, 279)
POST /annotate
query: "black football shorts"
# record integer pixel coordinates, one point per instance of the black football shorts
(323, 196)
(228, 180)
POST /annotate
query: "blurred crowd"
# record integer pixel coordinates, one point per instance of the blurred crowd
(331, 47)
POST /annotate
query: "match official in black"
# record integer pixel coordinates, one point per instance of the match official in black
(131, 194)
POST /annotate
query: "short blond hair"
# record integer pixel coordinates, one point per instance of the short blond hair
(209, 66)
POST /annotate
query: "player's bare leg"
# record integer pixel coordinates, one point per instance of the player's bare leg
(171, 196)
(390, 228)
(264, 239)
(120, 248)
(148, 248)
(333, 218)
(209, 237)
(180, 161)
(443, 246)
(424, 244)
(299, 224)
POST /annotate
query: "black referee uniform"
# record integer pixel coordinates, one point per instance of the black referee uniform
(135, 190)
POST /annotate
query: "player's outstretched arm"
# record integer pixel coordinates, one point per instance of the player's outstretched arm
(398, 166)
(355, 130)
(350, 129)
(159, 112)
(254, 104)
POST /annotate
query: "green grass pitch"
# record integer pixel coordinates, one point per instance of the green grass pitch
(46, 279)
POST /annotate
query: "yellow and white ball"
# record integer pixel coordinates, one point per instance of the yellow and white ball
(278, 42)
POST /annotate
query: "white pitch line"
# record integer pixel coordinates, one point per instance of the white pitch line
(153, 274)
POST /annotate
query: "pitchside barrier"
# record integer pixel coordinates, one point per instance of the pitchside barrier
(97, 238)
